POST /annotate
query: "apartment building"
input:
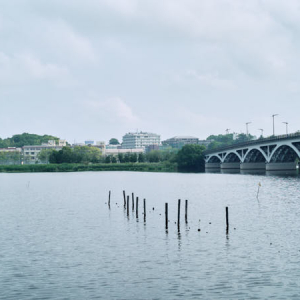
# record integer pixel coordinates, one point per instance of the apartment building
(134, 140)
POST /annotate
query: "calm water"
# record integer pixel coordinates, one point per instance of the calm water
(59, 240)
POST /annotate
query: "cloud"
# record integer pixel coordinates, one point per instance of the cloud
(114, 109)
(22, 68)
(63, 39)
(211, 79)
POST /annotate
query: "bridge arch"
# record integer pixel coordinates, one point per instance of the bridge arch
(255, 155)
(214, 159)
(232, 157)
(284, 153)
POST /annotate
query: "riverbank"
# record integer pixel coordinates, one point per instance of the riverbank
(140, 167)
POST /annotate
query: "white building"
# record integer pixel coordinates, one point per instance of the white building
(141, 139)
(115, 152)
(30, 153)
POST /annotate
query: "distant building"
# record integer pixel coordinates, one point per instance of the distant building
(115, 152)
(204, 142)
(30, 153)
(89, 142)
(141, 139)
(110, 146)
(10, 149)
(100, 145)
(150, 148)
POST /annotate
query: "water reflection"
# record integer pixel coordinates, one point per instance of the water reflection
(230, 171)
(253, 172)
(283, 173)
(212, 170)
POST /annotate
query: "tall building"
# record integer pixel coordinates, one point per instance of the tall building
(133, 140)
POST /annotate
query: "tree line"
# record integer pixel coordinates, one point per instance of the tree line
(223, 140)
(26, 139)
(188, 159)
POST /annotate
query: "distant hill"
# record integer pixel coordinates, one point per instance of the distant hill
(25, 139)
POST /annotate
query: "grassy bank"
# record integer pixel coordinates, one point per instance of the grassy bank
(140, 167)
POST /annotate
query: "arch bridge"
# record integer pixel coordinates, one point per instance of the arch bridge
(270, 154)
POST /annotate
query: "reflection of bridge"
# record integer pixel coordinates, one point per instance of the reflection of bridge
(274, 153)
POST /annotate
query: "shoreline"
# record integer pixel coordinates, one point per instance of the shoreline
(139, 167)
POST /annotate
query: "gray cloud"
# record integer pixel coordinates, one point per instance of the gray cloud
(97, 69)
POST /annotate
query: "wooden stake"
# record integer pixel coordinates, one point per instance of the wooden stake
(137, 207)
(109, 198)
(227, 220)
(132, 201)
(186, 209)
(178, 218)
(124, 199)
(127, 205)
(166, 214)
(145, 210)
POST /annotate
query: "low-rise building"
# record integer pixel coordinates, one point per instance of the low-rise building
(10, 149)
(123, 151)
(31, 152)
(135, 140)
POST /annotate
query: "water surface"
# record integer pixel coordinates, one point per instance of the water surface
(59, 239)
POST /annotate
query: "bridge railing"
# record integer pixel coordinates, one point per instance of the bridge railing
(254, 142)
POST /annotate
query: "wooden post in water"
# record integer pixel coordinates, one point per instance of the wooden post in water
(109, 198)
(144, 210)
(186, 209)
(178, 218)
(124, 199)
(132, 201)
(127, 205)
(166, 214)
(227, 220)
(137, 207)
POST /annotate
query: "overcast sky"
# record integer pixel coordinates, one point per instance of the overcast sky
(96, 69)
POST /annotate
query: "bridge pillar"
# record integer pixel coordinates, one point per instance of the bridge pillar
(230, 166)
(288, 166)
(212, 167)
(253, 166)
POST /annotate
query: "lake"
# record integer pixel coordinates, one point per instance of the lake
(60, 240)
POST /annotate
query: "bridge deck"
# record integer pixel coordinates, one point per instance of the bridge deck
(255, 142)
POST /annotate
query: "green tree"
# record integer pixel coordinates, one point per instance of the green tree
(113, 141)
(126, 158)
(44, 155)
(121, 157)
(191, 159)
(25, 139)
(153, 156)
(133, 157)
(141, 158)
(114, 160)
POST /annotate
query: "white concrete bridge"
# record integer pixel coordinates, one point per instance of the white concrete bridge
(270, 154)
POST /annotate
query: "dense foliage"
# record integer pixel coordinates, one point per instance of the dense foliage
(12, 158)
(87, 154)
(190, 158)
(114, 141)
(223, 140)
(25, 139)
(142, 167)
(78, 154)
